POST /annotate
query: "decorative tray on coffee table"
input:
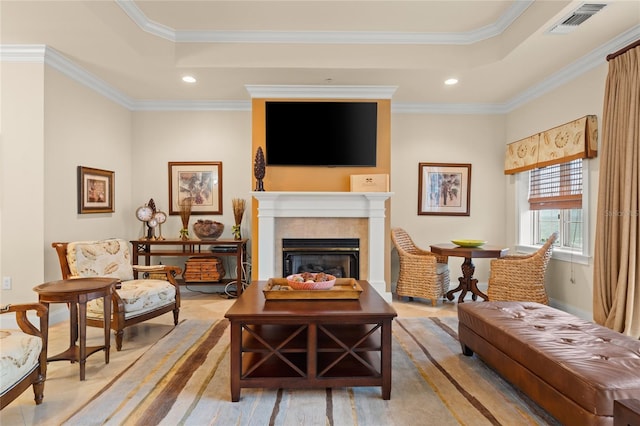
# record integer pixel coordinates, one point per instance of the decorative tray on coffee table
(344, 288)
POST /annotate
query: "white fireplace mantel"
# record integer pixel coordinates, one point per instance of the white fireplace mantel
(371, 205)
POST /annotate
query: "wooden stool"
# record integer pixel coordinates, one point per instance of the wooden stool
(76, 293)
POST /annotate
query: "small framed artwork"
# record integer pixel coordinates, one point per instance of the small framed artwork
(198, 183)
(444, 189)
(95, 190)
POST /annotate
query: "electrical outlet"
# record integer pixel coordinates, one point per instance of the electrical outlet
(6, 283)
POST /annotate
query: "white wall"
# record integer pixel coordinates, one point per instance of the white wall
(51, 125)
(431, 138)
(22, 176)
(581, 96)
(163, 137)
(82, 128)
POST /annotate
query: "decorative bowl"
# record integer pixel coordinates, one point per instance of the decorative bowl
(469, 243)
(208, 229)
(296, 282)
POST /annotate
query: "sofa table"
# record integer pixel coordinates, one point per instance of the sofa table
(314, 343)
(147, 248)
(76, 293)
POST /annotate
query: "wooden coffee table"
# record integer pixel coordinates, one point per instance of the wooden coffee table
(310, 343)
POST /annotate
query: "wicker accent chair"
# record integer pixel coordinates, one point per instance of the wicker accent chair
(23, 353)
(521, 277)
(422, 273)
(135, 300)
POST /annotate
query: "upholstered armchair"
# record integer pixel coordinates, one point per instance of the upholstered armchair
(422, 273)
(135, 300)
(23, 353)
(521, 277)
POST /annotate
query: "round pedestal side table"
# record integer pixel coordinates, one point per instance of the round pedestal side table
(76, 293)
(467, 283)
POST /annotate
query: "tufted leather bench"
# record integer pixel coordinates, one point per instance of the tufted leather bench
(571, 367)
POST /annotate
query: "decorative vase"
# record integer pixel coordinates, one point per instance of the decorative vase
(238, 212)
(235, 230)
(185, 213)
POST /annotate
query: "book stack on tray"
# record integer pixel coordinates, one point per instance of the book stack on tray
(203, 269)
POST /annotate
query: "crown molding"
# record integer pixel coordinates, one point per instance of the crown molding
(49, 56)
(323, 37)
(321, 92)
(38, 53)
(450, 109)
(192, 106)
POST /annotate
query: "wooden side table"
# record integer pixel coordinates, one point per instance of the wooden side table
(467, 283)
(76, 293)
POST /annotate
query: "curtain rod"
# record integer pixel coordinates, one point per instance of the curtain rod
(623, 50)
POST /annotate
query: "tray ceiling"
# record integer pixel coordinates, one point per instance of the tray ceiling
(499, 50)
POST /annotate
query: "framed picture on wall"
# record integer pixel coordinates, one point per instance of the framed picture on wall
(444, 189)
(95, 190)
(197, 182)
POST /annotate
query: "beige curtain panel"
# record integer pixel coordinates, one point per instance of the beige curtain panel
(616, 283)
(576, 139)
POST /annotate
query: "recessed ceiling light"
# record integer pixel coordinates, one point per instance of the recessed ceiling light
(451, 81)
(189, 79)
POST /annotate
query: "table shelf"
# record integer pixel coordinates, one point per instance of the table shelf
(144, 250)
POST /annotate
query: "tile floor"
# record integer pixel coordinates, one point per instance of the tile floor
(64, 392)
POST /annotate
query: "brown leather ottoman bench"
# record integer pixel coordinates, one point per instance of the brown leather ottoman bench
(571, 367)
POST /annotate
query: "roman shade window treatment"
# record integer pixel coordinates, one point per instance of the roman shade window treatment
(561, 144)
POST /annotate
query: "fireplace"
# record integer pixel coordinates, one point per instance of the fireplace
(339, 257)
(276, 207)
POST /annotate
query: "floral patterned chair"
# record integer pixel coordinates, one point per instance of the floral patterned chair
(135, 300)
(23, 354)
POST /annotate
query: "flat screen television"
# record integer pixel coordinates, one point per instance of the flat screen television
(335, 134)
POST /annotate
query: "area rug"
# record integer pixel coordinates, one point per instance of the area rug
(184, 380)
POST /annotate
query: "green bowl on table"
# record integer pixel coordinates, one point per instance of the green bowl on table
(469, 243)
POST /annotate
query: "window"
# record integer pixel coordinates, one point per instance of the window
(551, 199)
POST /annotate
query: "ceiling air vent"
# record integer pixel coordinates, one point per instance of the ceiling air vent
(577, 17)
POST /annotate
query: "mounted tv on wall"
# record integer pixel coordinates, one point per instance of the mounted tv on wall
(334, 134)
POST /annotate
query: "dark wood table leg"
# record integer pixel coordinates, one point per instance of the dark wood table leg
(73, 324)
(464, 281)
(467, 283)
(476, 291)
(82, 326)
(236, 360)
(386, 360)
(239, 276)
(106, 302)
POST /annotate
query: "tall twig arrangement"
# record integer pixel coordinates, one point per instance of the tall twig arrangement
(238, 212)
(185, 213)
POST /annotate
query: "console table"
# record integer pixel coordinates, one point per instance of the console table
(310, 343)
(192, 248)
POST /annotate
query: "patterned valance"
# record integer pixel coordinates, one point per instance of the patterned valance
(577, 139)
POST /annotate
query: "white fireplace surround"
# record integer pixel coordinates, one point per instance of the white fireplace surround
(370, 205)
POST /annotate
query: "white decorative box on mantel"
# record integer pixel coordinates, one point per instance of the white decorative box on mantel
(289, 204)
